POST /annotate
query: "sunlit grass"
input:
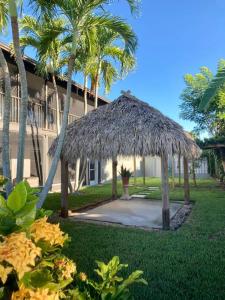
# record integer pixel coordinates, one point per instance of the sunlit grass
(186, 264)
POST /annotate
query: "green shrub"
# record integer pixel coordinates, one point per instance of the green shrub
(124, 172)
(32, 265)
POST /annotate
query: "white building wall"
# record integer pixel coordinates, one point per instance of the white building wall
(152, 167)
(127, 162)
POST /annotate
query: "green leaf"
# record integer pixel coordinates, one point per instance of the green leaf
(17, 198)
(27, 219)
(212, 90)
(58, 286)
(7, 224)
(3, 206)
(40, 278)
(26, 209)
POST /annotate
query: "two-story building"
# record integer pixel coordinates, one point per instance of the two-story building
(41, 118)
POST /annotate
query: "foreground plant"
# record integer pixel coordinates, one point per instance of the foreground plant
(32, 265)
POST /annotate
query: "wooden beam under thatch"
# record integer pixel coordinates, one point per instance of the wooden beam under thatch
(64, 188)
(165, 192)
(114, 179)
(186, 182)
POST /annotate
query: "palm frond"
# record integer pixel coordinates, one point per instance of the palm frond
(212, 90)
(109, 75)
(3, 14)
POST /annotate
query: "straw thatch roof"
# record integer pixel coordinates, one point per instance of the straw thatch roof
(126, 126)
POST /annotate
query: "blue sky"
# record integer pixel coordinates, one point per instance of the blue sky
(175, 37)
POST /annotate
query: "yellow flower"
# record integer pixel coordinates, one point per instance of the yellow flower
(42, 230)
(4, 272)
(36, 294)
(82, 276)
(20, 252)
(66, 268)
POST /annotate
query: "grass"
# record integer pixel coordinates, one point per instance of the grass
(186, 264)
(95, 194)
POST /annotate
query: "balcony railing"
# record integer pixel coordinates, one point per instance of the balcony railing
(38, 114)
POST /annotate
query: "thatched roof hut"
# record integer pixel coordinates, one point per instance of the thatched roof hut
(127, 127)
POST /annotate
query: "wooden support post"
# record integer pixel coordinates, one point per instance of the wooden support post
(114, 179)
(186, 182)
(179, 169)
(144, 172)
(173, 171)
(64, 188)
(135, 170)
(165, 192)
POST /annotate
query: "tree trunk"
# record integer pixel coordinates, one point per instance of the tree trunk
(165, 192)
(6, 120)
(24, 92)
(64, 188)
(58, 150)
(39, 153)
(57, 104)
(82, 175)
(186, 183)
(114, 179)
(85, 95)
(223, 163)
(97, 84)
(35, 153)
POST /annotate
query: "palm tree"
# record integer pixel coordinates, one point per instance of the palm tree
(48, 50)
(80, 20)
(13, 15)
(108, 54)
(7, 103)
(213, 88)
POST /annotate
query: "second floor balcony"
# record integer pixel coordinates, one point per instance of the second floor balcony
(41, 115)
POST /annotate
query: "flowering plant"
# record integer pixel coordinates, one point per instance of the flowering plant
(32, 265)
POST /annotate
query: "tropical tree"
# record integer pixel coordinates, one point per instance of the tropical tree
(7, 103)
(110, 57)
(49, 51)
(196, 85)
(13, 16)
(80, 19)
(215, 86)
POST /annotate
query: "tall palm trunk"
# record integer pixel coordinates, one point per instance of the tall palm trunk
(97, 84)
(58, 150)
(39, 153)
(79, 177)
(6, 120)
(24, 92)
(57, 104)
(35, 153)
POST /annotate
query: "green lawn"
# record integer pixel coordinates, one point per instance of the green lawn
(94, 194)
(186, 264)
